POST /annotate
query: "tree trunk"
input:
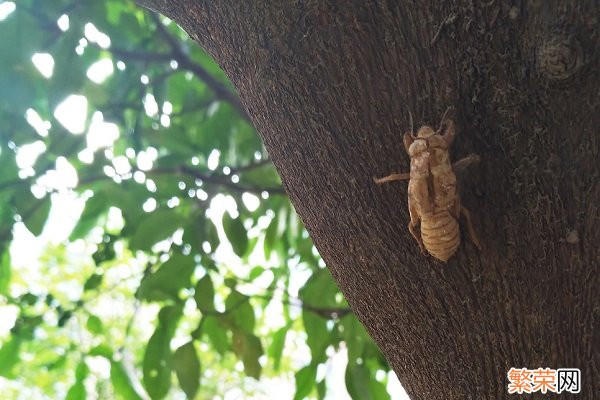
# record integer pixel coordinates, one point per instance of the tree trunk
(330, 85)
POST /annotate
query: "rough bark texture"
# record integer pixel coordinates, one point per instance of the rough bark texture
(329, 85)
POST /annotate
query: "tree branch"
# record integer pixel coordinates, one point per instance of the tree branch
(185, 63)
(324, 312)
(219, 180)
(132, 55)
(220, 89)
(250, 166)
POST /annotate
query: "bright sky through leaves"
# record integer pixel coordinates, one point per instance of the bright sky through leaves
(147, 246)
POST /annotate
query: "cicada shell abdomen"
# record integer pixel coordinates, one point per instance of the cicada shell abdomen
(440, 234)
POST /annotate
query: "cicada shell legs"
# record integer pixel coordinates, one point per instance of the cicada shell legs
(472, 234)
(412, 224)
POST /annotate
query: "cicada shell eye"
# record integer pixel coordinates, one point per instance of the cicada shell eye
(408, 140)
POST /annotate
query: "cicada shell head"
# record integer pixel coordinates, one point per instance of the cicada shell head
(416, 148)
(425, 132)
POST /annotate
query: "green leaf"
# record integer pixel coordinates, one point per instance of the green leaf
(240, 312)
(21, 37)
(212, 235)
(217, 334)
(9, 356)
(105, 249)
(5, 271)
(157, 363)
(378, 390)
(69, 70)
(8, 166)
(320, 289)
(276, 348)
(102, 350)
(249, 349)
(293, 229)
(77, 391)
(321, 390)
(64, 317)
(94, 324)
(168, 280)
(175, 139)
(28, 299)
(156, 227)
(57, 364)
(94, 207)
(93, 282)
(304, 248)
(204, 294)
(357, 381)
(317, 335)
(36, 215)
(355, 336)
(305, 381)
(270, 238)
(231, 283)
(236, 234)
(255, 273)
(194, 233)
(122, 382)
(187, 369)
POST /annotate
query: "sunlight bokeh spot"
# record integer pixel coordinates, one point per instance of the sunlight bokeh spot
(150, 105)
(213, 159)
(101, 135)
(86, 156)
(8, 316)
(63, 22)
(167, 107)
(72, 113)
(81, 46)
(165, 120)
(29, 153)
(139, 177)
(149, 205)
(144, 161)
(99, 71)
(63, 177)
(6, 9)
(121, 165)
(34, 119)
(201, 194)
(150, 185)
(173, 202)
(44, 63)
(95, 36)
(250, 201)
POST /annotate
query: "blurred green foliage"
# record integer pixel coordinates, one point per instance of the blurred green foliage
(187, 273)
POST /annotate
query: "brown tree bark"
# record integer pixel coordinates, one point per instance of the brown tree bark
(329, 86)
